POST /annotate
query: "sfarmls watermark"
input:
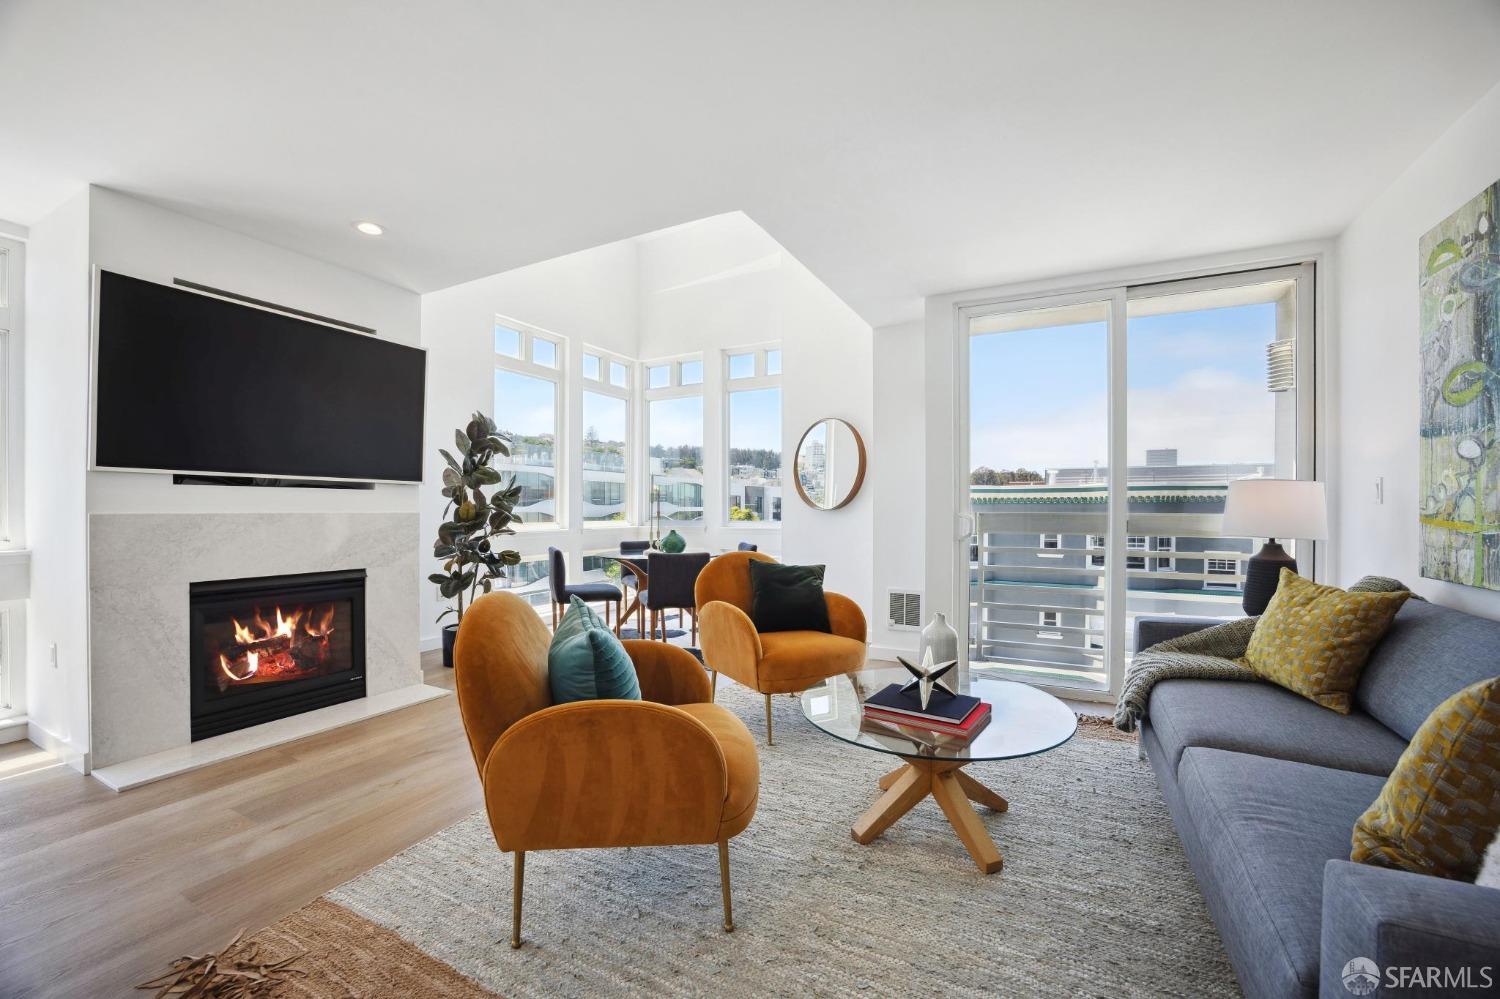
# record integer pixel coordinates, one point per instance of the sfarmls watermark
(1363, 976)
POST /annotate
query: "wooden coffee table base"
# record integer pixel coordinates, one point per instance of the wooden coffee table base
(953, 789)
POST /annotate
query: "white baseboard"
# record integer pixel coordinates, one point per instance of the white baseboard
(430, 643)
(58, 747)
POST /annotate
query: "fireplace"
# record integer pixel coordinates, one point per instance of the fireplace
(274, 646)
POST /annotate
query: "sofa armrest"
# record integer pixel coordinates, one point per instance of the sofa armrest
(668, 674)
(845, 618)
(730, 643)
(1399, 919)
(1151, 630)
(605, 773)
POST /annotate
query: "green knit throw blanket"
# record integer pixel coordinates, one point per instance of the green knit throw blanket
(1210, 654)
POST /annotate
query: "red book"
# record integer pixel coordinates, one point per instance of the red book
(971, 724)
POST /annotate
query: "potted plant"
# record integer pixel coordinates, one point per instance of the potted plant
(472, 521)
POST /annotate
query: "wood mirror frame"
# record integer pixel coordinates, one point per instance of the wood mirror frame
(859, 473)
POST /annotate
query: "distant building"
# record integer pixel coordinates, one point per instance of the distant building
(1037, 560)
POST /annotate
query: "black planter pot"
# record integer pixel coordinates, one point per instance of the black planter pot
(450, 634)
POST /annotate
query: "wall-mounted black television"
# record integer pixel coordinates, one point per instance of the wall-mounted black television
(189, 383)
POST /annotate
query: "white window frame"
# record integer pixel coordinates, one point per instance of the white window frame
(603, 386)
(1053, 550)
(674, 389)
(1217, 566)
(1135, 543)
(524, 365)
(1136, 563)
(12, 316)
(1116, 291)
(1047, 620)
(1164, 565)
(761, 380)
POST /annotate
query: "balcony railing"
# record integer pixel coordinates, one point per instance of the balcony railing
(1038, 609)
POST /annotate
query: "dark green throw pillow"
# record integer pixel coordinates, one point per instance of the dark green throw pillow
(787, 597)
(586, 662)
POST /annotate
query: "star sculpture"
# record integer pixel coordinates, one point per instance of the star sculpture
(927, 676)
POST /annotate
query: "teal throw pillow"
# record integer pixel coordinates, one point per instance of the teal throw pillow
(586, 662)
(787, 597)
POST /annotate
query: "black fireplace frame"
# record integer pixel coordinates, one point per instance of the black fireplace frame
(254, 706)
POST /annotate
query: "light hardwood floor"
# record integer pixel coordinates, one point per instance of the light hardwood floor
(99, 891)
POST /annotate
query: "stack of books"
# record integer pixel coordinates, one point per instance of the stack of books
(948, 714)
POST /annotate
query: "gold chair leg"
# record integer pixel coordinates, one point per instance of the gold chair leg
(713, 685)
(515, 899)
(724, 885)
(769, 740)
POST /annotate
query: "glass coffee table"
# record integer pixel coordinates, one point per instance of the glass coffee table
(1024, 721)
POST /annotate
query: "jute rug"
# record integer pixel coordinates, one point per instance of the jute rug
(1096, 898)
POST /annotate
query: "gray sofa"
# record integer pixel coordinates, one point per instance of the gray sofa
(1264, 787)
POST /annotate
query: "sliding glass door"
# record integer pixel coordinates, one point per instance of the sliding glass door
(1102, 432)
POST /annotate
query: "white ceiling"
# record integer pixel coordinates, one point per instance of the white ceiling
(898, 149)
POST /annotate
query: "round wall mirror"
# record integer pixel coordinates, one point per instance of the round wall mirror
(830, 464)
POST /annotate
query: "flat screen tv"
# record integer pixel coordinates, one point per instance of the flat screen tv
(189, 383)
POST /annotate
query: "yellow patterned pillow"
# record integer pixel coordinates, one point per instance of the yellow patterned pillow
(1440, 807)
(1314, 640)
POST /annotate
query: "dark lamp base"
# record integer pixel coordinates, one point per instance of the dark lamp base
(1262, 574)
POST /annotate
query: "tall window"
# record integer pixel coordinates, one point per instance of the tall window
(527, 379)
(606, 420)
(753, 380)
(674, 411)
(604, 437)
(1127, 411)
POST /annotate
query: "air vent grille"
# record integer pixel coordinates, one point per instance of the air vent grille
(1281, 365)
(905, 611)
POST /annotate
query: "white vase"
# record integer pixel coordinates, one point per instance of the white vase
(940, 637)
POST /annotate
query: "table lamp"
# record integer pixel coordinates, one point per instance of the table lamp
(1271, 509)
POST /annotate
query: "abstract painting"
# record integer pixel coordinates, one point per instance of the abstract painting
(1459, 262)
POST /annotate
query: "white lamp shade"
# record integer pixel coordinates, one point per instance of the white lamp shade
(1276, 508)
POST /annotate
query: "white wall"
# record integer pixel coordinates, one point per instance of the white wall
(698, 288)
(100, 228)
(134, 237)
(1377, 356)
(723, 283)
(56, 440)
(897, 478)
(590, 298)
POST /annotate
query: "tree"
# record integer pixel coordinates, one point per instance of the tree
(986, 476)
(742, 513)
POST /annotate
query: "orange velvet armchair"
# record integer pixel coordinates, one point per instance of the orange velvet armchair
(777, 662)
(670, 769)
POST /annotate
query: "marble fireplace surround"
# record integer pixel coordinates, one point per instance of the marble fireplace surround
(140, 566)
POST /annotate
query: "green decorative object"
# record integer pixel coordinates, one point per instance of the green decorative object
(673, 543)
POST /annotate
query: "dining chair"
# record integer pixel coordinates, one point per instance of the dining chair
(589, 593)
(670, 769)
(672, 579)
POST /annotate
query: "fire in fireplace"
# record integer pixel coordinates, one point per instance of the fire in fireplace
(270, 647)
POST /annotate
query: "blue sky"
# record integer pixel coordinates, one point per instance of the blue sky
(755, 419)
(1196, 381)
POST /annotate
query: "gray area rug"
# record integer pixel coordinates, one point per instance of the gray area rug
(1096, 898)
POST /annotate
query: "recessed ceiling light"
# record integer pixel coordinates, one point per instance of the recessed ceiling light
(370, 228)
